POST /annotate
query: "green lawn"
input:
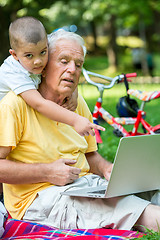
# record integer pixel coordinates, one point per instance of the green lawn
(110, 142)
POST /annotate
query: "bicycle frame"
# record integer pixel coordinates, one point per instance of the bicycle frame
(117, 122)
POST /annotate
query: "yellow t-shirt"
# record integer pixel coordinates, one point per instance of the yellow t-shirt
(37, 139)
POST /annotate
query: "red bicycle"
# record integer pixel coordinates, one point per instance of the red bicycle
(128, 110)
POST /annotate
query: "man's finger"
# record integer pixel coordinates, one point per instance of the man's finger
(69, 161)
(76, 171)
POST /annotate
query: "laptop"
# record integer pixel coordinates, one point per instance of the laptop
(136, 169)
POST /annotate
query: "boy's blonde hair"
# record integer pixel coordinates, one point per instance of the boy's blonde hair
(28, 29)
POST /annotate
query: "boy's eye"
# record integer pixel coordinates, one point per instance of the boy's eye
(29, 56)
(43, 52)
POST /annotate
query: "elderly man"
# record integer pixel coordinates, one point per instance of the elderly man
(40, 157)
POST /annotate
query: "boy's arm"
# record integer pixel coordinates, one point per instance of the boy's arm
(57, 113)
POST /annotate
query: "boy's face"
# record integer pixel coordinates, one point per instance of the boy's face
(33, 57)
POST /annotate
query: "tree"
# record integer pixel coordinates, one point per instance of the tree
(112, 15)
(87, 13)
(116, 15)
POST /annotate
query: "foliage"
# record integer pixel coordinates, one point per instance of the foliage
(90, 16)
(101, 10)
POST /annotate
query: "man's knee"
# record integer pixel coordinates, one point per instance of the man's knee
(150, 218)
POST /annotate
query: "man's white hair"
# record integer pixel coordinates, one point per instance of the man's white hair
(62, 34)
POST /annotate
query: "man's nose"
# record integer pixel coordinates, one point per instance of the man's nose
(71, 67)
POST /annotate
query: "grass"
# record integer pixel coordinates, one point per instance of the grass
(150, 235)
(110, 142)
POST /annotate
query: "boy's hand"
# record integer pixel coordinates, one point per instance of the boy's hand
(84, 127)
(71, 103)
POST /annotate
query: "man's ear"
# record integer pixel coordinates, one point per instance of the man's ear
(13, 53)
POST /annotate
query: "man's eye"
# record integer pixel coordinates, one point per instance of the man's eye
(79, 65)
(29, 56)
(43, 52)
(64, 61)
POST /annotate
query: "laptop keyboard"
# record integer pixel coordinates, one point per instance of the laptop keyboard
(99, 192)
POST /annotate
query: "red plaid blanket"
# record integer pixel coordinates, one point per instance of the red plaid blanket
(15, 229)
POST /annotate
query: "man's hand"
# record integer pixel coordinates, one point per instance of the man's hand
(61, 173)
(98, 165)
(107, 171)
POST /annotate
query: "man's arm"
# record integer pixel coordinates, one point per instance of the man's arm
(59, 172)
(98, 165)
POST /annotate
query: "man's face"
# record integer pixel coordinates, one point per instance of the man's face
(64, 67)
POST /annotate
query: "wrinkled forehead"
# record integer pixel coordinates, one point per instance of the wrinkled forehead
(70, 48)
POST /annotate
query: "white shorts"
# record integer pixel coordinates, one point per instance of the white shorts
(3, 216)
(64, 212)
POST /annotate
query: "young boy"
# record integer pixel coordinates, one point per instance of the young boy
(21, 73)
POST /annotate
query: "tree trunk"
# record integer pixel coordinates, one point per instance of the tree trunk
(4, 46)
(112, 45)
(142, 35)
(94, 33)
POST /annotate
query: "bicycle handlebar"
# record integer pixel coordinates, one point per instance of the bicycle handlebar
(131, 75)
(117, 79)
